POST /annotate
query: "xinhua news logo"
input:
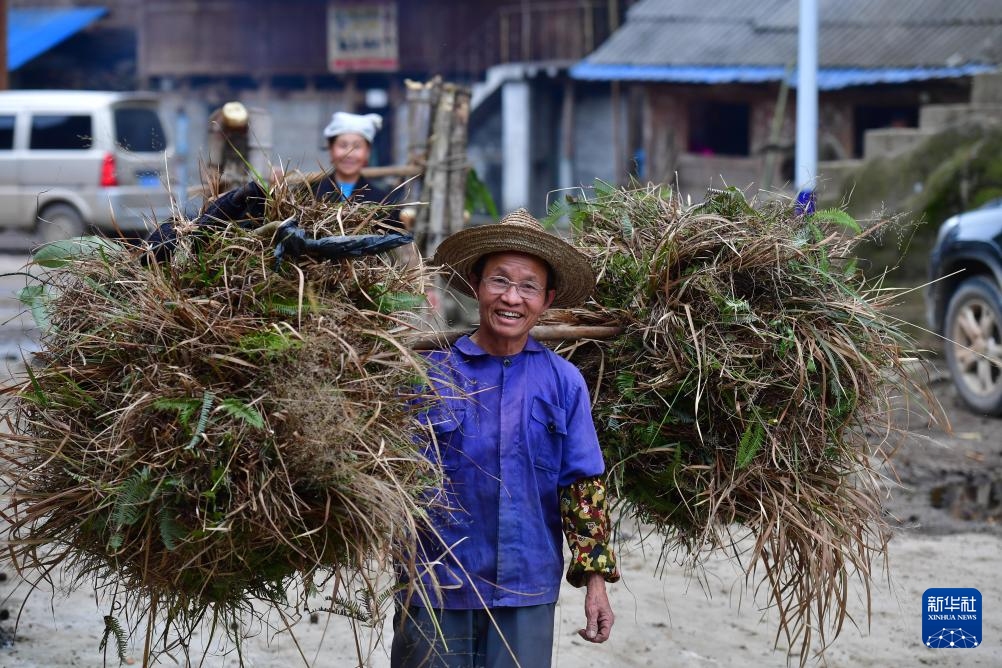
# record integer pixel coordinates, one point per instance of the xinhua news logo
(951, 618)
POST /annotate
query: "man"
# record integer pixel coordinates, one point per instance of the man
(514, 434)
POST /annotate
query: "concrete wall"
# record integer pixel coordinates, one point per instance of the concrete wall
(594, 156)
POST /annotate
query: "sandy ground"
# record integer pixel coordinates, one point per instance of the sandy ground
(946, 510)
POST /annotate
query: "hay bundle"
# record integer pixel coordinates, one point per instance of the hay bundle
(199, 433)
(753, 360)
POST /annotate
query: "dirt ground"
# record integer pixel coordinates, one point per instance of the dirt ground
(946, 506)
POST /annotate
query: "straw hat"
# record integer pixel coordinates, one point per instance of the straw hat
(521, 233)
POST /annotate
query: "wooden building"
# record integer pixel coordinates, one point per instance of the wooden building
(704, 79)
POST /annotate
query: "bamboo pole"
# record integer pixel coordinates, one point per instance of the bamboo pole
(458, 168)
(438, 340)
(437, 175)
(776, 129)
(422, 99)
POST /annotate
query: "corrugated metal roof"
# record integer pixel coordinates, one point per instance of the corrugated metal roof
(31, 32)
(686, 37)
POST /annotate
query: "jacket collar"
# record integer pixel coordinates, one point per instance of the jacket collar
(466, 346)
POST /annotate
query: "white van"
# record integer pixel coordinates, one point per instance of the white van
(75, 160)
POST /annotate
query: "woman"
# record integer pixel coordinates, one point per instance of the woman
(349, 141)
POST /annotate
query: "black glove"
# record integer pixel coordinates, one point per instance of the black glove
(292, 242)
(244, 206)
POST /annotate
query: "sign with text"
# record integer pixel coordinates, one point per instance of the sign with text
(362, 37)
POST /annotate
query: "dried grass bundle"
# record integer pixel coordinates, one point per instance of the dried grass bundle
(754, 360)
(208, 431)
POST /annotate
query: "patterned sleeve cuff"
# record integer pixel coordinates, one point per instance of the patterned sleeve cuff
(587, 527)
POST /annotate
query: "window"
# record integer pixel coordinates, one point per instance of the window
(868, 118)
(718, 128)
(6, 133)
(139, 129)
(62, 132)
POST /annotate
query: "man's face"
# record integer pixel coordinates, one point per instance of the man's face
(349, 154)
(509, 314)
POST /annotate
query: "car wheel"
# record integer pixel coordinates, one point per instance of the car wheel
(974, 344)
(59, 221)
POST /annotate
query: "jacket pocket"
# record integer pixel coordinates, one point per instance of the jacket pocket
(444, 440)
(547, 429)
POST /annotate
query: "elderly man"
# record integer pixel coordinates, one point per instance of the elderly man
(514, 434)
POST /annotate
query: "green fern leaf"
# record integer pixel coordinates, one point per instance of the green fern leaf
(751, 442)
(184, 407)
(241, 411)
(391, 302)
(113, 628)
(172, 532)
(625, 383)
(132, 498)
(203, 418)
(835, 217)
(268, 343)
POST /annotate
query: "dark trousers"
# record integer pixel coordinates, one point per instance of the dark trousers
(471, 638)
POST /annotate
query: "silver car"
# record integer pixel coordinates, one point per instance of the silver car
(74, 160)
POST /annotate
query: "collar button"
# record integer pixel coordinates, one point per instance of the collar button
(507, 362)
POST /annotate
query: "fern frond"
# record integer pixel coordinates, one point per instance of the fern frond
(203, 419)
(132, 497)
(751, 442)
(112, 627)
(172, 532)
(238, 409)
(835, 217)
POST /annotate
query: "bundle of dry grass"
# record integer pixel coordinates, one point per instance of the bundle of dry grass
(753, 362)
(208, 431)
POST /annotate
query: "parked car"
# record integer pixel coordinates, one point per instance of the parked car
(74, 160)
(964, 303)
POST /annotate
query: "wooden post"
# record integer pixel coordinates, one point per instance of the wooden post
(776, 129)
(505, 30)
(422, 99)
(350, 92)
(439, 340)
(437, 174)
(457, 161)
(566, 168)
(617, 137)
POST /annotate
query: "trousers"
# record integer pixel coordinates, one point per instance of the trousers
(471, 639)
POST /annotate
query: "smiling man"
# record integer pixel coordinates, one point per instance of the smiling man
(514, 434)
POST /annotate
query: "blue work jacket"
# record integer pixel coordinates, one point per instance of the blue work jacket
(509, 432)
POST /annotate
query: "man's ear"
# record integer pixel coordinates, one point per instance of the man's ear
(550, 296)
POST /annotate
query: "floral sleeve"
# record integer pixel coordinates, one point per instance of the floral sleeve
(587, 527)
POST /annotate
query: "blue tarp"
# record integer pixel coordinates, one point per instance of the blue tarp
(828, 78)
(32, 32)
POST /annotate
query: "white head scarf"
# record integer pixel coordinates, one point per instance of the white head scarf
(343, 122)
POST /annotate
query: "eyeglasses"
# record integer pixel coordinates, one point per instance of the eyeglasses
(498, 285)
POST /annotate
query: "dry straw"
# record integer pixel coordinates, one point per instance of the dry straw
(208, 432)
(754, 362)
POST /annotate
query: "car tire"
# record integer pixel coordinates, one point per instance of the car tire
(59, 221)
(973, 329)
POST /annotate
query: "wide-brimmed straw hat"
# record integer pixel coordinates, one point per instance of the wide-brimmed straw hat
(518, 232)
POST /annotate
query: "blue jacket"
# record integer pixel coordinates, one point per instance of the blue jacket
(509, 432)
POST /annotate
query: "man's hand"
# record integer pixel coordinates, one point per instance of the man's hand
(598, 612)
